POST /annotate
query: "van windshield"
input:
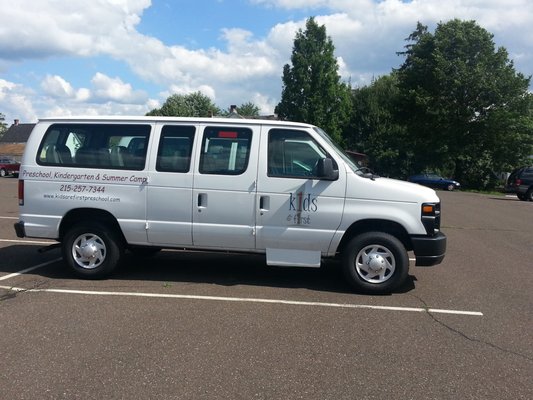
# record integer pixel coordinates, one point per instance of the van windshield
(340, 152)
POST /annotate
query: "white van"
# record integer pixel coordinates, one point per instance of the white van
(104, 185)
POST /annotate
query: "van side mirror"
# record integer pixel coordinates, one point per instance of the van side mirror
(325, 170)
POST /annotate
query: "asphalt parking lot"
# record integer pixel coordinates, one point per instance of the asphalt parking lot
(209, 326)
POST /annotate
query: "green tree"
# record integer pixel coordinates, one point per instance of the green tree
(190, 105)
(374, 129)
(3, 125)
(248, 109)
(312, 90)
(467, 111)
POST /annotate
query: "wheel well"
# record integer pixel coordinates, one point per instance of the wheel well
(376, 225)
(79, 215)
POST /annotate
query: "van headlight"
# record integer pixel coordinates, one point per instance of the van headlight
(430, 215)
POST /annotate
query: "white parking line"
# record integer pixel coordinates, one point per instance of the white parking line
(8, 217)
(247, 300)
(225, 299)
(3, 278)
(26, 241)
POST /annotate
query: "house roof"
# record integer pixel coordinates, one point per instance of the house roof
(17, 133)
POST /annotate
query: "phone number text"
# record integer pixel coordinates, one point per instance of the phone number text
(82, 188)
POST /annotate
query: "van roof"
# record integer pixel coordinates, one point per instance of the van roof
(216, 120)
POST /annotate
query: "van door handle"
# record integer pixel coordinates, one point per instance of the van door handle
(264, 204)
(202, 200)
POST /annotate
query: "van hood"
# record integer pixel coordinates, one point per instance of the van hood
(388, 190)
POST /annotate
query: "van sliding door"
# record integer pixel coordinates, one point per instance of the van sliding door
(225, 188)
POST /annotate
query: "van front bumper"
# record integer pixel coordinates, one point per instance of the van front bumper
(429, 250)
(19, 229)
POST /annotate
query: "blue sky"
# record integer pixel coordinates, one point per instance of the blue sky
(127, 56)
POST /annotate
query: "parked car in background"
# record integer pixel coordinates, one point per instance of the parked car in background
(521, 182)
(8, 166)
(434, 181)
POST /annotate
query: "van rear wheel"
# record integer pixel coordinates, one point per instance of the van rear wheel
(91, 250)
(375, 262)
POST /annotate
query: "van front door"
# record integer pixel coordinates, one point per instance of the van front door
(225, 188)
(298, 211)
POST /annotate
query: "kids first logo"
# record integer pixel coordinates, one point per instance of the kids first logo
(301, 206)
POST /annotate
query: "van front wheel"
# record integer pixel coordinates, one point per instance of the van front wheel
(91, 250)
(375, 262)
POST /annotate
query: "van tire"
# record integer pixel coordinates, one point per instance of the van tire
(92, 250)
(375, 262)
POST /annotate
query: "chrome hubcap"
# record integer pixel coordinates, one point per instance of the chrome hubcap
(89, 251)
(375, 264)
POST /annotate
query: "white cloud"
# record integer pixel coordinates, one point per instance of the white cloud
(37, 29)
(16, 102)
(93, 109)
(292, 4)
(113, 89)
(206, 90)
(59, 98)
(5, 88)
(366, 34)
(56, 86)
(83, 94)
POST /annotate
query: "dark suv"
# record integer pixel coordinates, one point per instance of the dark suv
(521, 182)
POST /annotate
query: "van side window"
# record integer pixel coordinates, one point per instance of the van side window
(106, 146)
(175, 148)
(293, 154)
(225, 151)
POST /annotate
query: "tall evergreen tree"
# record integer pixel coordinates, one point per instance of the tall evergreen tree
(312, 89)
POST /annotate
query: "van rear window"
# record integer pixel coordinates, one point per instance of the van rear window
(106, 146)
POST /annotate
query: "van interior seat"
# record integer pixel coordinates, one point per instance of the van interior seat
(58, 154)
(180, 160)
(137, 151)
(137, 146)
(119, 156)
(215, 159)
(104, 156)
(85, 156)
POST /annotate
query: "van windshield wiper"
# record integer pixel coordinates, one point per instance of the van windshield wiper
(368, 173)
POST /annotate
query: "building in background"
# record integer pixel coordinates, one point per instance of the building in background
(13, 142)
